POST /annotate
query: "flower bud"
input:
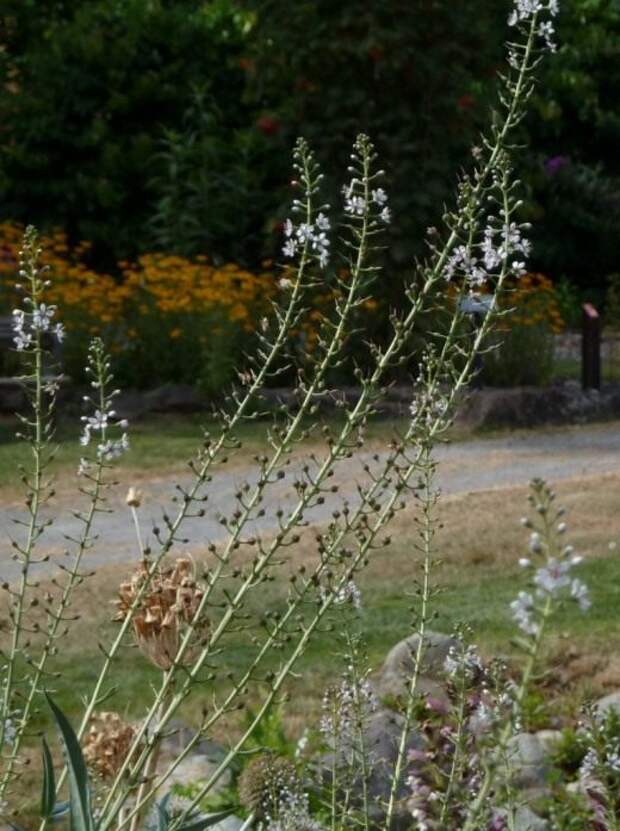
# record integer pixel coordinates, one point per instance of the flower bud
(134, 498)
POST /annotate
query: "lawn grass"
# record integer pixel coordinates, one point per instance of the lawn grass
(159, 445)
(479, 545)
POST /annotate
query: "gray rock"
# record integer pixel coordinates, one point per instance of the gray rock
(200, 763)
(609, 702)
(526, 820)
(526, 762)
(530, 406)
(174, 398)
(549, 739)
(131, 405)
(395, 675)
(381, 741)
(229, 824)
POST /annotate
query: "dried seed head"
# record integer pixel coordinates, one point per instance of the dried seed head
(107, 743)
(134, 498)
(167, 606)
(264, 781)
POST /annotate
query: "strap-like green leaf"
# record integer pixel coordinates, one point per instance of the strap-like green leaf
(162, 814)
(204, 822)
(61, 809)
(81, 818)
(48, 794)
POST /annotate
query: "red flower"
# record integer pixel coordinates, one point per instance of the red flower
(268, 125)
(465, 102)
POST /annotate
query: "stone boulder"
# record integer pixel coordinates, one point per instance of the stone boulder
(608, 703)
(174, 398)
(527, 763)
(563, 403)
(198, 766)
(381, 741)
(395, 675)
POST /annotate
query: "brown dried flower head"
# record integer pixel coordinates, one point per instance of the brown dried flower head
(107, 743)
(166, 608)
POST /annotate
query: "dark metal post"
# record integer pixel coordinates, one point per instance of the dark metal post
(590, 348)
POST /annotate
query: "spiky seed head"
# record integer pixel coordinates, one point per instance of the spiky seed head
(167, 606)
(107, 743)
(264, 781)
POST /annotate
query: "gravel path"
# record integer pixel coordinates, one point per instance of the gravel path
(466, 466)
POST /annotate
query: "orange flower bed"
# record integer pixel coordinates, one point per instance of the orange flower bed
(162, 284)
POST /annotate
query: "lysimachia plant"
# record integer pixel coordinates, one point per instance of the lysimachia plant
(184, 617)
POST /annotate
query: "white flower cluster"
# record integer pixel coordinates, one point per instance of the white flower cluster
(27, 324)
(107, 449)
(313, 234)
(292, 813)
(345, 708)
(463, 663)
(9, 731)
(552, 579)
(524, 10)
(418, 804)
(356, 205)
(591, 764)
(349, 593)
(496, 249)
(428, 406)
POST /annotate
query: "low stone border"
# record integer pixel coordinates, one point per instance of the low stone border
(564, 403)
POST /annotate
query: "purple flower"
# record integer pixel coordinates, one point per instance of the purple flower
(555, 164)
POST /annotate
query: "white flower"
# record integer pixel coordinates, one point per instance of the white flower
(320, 244)
(305, 232)
(459, 662)
(22, 339)
(284, 283)
(579, 592)
(588, 765)
(9, 731)
(59, 331)
(42, 317)
(83, 467)
(524, 9)
(552, 577)
(525, 562)
(461, 260)
(522, 611)
(546, 31)
(322, 222)
(379, 196)
(386, 215)
(355, 205)
(289, 248)
(109, 450)
(288, 228)
(613, 761)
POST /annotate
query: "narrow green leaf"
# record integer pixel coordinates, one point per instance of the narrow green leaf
(162, 814)
(61, 809)
(48, 794)
(204, 822)
(79, 791)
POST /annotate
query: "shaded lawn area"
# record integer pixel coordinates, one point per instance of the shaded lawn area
(160, 444)
(479, 546)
